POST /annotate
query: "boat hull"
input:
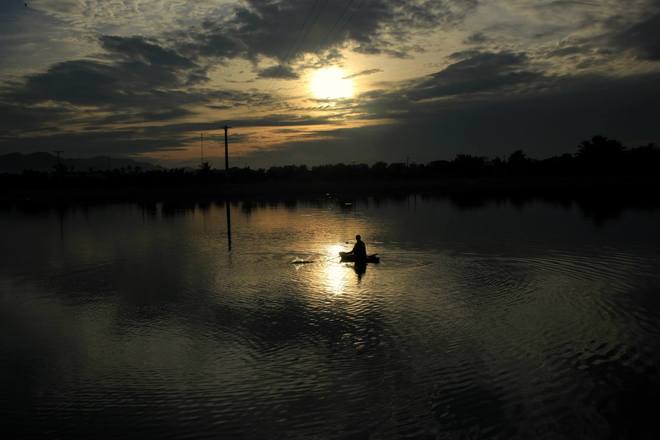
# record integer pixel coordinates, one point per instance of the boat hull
(350, 258)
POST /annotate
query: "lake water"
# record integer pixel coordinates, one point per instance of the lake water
(481, 321)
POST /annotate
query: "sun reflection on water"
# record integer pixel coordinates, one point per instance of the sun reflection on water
(334, 273)
(334, 249)
(335, 277)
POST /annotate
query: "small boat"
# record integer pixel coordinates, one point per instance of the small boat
(350, 258)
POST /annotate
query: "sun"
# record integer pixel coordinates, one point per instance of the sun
(331, 83)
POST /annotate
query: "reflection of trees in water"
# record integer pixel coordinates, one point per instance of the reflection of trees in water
(177, 208)
(599, 209)
(600, 205)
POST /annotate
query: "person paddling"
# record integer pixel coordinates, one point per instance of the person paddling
(359, 250)
(359, 254)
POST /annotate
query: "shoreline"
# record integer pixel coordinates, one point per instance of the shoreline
(642, 188)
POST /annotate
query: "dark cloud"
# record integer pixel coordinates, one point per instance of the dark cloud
(283, 121)
(98, 139)
(89, 143)
(212, 40)
(16, 118)
(364, 73)
(278, 72)
(643, 38)
(477, 38)
(139, 49)
(567, 51)
(580, 54)
(86, 82)
(142, 117)
(274, 120)
(474, 72)
(136, 73)
(136, 80)
(287, 29)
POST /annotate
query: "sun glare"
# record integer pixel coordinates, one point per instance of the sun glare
(331, 83)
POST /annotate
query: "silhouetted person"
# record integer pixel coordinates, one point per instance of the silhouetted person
(359, 250)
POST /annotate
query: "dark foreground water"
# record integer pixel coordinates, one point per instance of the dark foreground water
(497, 321)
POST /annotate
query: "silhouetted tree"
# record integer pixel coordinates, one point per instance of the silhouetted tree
(468, 165)
(519, 164)
(600, 147)
(644, 160)
(600, 155)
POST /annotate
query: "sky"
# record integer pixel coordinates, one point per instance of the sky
(326, 81)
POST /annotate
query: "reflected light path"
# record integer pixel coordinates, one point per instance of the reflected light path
(334, 250)
(335, 277)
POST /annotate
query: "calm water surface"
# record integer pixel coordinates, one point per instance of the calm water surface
(498, 321)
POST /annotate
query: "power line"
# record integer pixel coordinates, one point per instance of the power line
(302, 29)
(349, 3)
(352, 12)
(226, 128)
(201, 145)
(311, 20)
(350, 17)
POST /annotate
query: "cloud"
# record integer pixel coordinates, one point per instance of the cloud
(278, 72)
(549, 116)
(124, 87)
(274, 28)
(97, 138)
(141, 117)
(134, 81)
(533, 25)
(643, 38)
(133, 74)
(17, 118)
(144, 17)
(89, 143)
(363, 73)
(476, 38)
(140, 49)
(159, 65)
(474, 72)
(287, 29)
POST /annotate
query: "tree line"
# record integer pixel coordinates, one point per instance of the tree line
(598, 156)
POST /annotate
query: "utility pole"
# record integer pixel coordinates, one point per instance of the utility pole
(226, 127)
(59, 170)
(201, 147)
(58, 156)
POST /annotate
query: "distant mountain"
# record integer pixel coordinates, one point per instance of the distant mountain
(14, 163)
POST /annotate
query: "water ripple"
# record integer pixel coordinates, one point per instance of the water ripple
(168, 334)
